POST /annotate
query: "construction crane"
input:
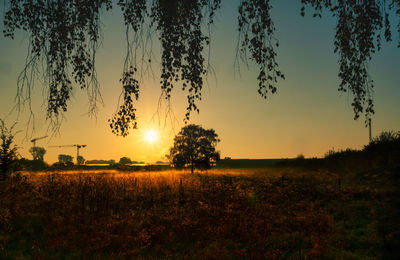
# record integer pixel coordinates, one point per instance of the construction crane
(37, 138)
(78, 146)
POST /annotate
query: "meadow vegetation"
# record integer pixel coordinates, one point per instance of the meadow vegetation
(294, 210)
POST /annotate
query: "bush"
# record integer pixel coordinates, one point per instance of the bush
(31, 165)
(384, 149)
(8, 151)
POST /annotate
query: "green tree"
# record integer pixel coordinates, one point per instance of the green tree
(80, 160)
(125, 161)
(37, 153)
(194, 146)
(64, 37)
(8, 150)
(65, 159)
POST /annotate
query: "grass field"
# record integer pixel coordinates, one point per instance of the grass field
(257, 213)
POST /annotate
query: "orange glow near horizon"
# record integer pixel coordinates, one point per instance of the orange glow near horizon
(149, 144)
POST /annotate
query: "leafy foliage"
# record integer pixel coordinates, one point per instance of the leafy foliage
(182, 40)
(256, 34)
(386, 138)
(80, 160)
(134, 13)
(24, 164)
(194, 146)
(37, 153)
(126, 116)
(64, 159)
(386, 147)
(179, 24)
(125, 160)
(8, 150)
(64, 36)
(357, 38)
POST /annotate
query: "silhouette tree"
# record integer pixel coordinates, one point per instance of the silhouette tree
(65, 160)
(125, 160)
(80, 160)
(64, 36)
(194, 146)
(8, 151)
(37, 153)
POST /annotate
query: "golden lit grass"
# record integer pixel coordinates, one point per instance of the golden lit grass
(176, 174)
(174, 178)
(270, 213)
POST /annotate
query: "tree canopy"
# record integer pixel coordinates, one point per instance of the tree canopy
(194, 146)
(125, 161)
(8, 150)
(37, 153)
(64, 37)
(65, 160)
(80, 160)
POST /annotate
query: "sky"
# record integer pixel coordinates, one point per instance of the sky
(307, 116)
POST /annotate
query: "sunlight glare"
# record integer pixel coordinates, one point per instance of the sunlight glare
(151, 136)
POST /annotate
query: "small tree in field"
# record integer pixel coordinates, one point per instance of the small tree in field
(38, 153)
(8, 151)
(194, 146)
(80, 160)
(125, 161)
(65, 159)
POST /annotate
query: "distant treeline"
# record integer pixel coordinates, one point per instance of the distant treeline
(383, 152)
(100, 162)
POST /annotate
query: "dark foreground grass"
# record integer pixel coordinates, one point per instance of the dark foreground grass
(249, 215)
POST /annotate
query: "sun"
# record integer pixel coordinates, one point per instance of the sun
(151, 136)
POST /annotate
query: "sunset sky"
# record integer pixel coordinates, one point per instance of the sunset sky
(307, 116)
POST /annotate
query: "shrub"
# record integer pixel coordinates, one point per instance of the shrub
(8, 151)
(384, 149)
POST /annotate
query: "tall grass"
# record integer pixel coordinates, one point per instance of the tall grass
(219, 214)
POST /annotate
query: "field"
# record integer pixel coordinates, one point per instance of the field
(254, 213)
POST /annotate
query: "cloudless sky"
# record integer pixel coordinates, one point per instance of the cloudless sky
(307, 116)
